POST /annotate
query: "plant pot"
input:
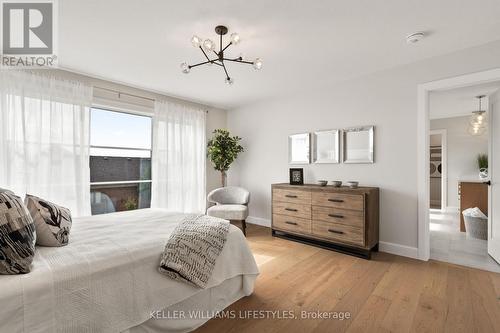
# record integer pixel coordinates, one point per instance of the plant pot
(483, 173)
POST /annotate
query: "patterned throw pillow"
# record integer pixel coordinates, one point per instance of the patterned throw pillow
(17, 235)
(52, 222)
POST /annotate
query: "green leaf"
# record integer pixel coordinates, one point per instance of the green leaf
(223, 149)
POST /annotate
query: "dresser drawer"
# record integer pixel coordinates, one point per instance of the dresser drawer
(292, 224)
(338, 200)
(353, 218)
(293, 196)
(338, 232)
(292, 209)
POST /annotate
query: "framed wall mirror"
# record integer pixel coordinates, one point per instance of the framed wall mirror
(326, 146)
(358, 145)
(298, 148)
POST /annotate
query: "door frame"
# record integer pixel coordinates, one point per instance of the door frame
(491, 115)
(444, 167)
(423, 130)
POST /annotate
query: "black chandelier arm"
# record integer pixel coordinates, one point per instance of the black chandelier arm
(225, 70)
(205, 62)
(228, 45)
(235, 59)
(204, 53)
(240, 61)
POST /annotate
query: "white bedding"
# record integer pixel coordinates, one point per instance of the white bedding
(106, 279)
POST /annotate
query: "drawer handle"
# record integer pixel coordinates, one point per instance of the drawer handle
(336, 216)
(291, 209)
(292, 223)
(336, 231)
(335, 200)
(290, 196)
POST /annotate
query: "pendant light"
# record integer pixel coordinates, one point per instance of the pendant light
(478, 120)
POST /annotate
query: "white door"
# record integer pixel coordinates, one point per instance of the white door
(494, 172)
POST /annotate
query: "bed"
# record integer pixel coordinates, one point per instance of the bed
(106, 280)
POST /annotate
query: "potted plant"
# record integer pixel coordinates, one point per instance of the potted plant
(482, 163)
(222, 150)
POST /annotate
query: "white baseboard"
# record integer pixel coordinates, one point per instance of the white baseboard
(397, 249)
(259, 221)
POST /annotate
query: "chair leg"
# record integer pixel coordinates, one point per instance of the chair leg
(244, 227)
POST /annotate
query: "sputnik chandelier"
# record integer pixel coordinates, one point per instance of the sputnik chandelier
(208, 47)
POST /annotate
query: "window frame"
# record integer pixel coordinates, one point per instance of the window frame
(127, 112)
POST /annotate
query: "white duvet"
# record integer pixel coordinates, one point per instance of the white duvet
(106, 279)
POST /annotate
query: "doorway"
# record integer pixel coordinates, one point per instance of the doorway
(458, 223)
(455, 244)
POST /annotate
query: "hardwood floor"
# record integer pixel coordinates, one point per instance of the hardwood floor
(387, 294)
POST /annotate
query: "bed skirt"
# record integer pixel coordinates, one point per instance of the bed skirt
(193, 312)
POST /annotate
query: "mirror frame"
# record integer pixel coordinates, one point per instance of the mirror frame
(336, 134)
(307, 160)
(371, 144)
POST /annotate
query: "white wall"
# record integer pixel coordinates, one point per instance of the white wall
(462, 150)
(386, 99)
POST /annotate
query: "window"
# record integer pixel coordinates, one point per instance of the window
(120, 161)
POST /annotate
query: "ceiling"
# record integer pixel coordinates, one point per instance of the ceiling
(460, 101)
(302, 43)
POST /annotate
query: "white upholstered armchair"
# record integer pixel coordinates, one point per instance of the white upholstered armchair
(231, 203)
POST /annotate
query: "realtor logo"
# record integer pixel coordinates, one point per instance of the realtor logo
(27, 28)
(28, 33)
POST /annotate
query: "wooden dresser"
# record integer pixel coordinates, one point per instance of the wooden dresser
(339, 218)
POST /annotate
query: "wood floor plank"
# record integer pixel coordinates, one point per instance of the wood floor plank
(390, 284)
(327, 294)
(318, 271)
(353, 301)
(293, 302)
(286, 261)
(269, 292)
(495, 280)
(431, 310)
(370, 316)
(459, 315)
(386, 294)
(404, 301)
(485, 308)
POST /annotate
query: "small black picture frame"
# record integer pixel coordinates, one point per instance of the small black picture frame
(296, 176)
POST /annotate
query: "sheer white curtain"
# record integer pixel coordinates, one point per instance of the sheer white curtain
(44, 138)
(179, 158)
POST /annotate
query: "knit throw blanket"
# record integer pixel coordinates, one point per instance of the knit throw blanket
(193, 248)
